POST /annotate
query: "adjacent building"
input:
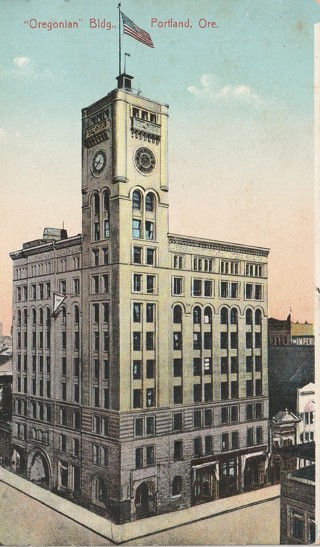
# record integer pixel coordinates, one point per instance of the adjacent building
(146, 389)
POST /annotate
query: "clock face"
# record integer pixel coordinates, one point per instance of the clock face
(145, 160)
(98, 163)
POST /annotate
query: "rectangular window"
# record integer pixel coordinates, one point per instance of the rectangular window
(248, 340)
(259, 411)
(149, 230)
(177, 368)
(258, 292)
(234, 390)
(258, 340)
(105, 283)
(150, 393)
(177, 450)
(137, 255)
(249, 291)
(150, 341)
(208, 288)
(196, 287)
(250, 436)
(76, 419)
(208, 444)
(224, 365)
(177, 286)
(177, 340)
(150, 368)
(258, 387)
(95, 284)
(150, 313)
(76, 286)
(151, 283)
(105, 252)
(197, 446)
(76, 447)
(207, 340)
(225, 441)
(197, 393)
(136, 370)
(208, 365)
(106, 398)
(137, 398)
(177, 262)
(150, 455)
(177, 395)
(249, 388)
(208, 392)
(63, 443)
(224, 415)
(259, 435)
(223, 340)
(197, 422)
(235, 439)
(150, 256)
(197, 366)
(139, 458)
(197, 340)
(138, 430)
(136, 228)
(208, 417)
(224, 390)
(136, 341)
(137, 316)
(177, 421)
(234, 414)
(258, 363)
(150, 425)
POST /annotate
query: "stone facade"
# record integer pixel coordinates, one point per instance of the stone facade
(147, 390)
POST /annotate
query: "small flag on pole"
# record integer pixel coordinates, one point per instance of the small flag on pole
(129, 27)
(57, 301)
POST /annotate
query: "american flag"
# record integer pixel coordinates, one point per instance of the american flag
(136, 32)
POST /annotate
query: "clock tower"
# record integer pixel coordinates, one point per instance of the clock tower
(125, 226)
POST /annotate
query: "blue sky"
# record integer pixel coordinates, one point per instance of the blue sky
(240, 132)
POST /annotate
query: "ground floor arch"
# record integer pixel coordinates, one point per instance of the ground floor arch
(39, 468)
(145, 502)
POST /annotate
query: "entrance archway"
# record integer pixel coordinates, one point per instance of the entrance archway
(38, 468)
(144, 499)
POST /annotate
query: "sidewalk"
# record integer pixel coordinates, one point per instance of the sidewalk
(126, 532)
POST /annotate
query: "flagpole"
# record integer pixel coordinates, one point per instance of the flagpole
(119, 6)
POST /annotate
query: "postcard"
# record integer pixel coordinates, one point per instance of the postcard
(157, 196)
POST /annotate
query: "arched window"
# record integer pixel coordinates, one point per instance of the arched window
(197, 314)
(136, 200)
(177, 486)
(64, 315)
(207, 315)
(150, 202)
(48, 317)
(249, 317)
(106, 214)
(76, 315)
(258, 317)
(96, 203)
(234, 316)
(224, 316)
(177, 314)
(96, 216)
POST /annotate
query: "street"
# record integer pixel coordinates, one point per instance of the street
(25, 521)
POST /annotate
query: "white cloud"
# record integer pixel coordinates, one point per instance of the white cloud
(21, 61)
(214, 90)
(24, 69)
